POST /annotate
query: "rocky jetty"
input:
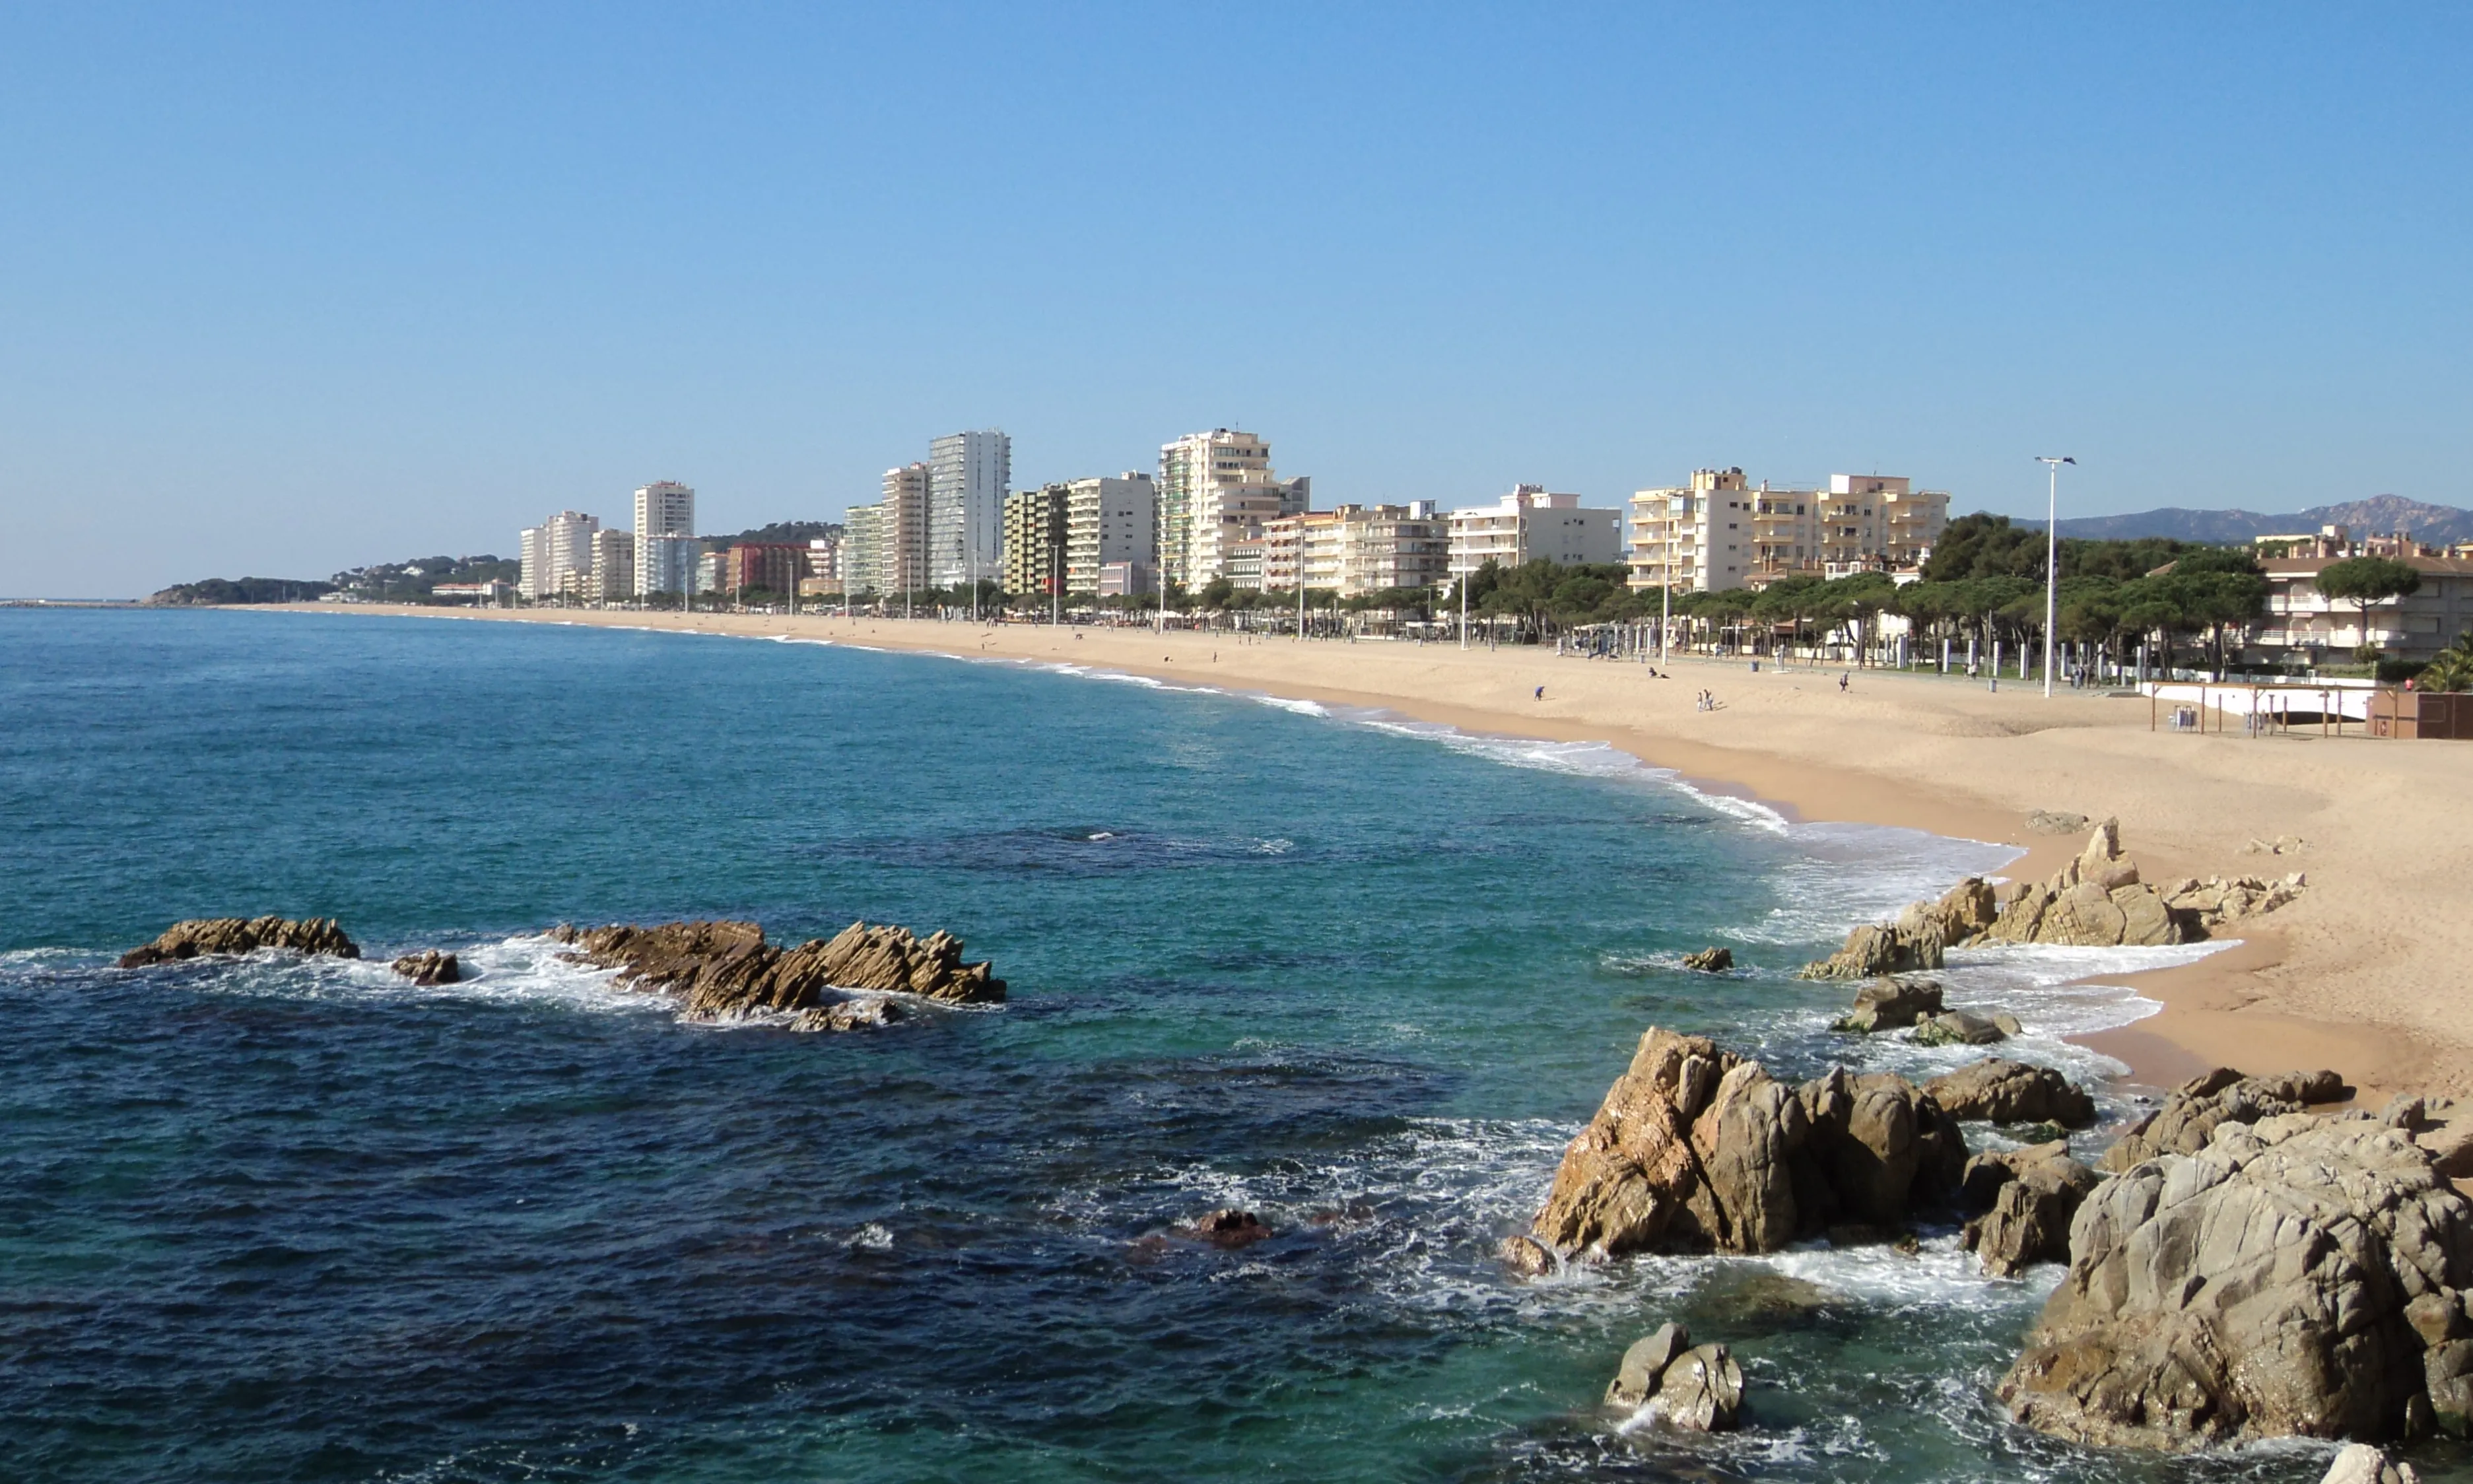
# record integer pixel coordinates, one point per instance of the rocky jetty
(2003, 1092)
(1696, 1149)
(1710, 961)
(2253, 1273)
(243, 935)
(1690, 1389)
(2029, 1198)
(429, 967)
(2096, 901)
(723, 968)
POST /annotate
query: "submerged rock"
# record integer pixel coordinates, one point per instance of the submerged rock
(2006, 1091)
(1959, 1028)
(1229, 1226)
(429, 967)
(242, 935)
(1890, 1004)
(2296, 1275)
(1696, 1149)
(726, 968)
(1710, 961)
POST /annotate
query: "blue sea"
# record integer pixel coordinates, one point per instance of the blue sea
(270, 1219)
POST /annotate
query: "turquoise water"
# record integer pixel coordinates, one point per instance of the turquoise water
(281, 1220)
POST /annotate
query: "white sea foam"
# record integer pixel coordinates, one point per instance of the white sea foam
(1289, 704)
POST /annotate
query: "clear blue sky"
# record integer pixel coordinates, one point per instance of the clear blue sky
(284, 290)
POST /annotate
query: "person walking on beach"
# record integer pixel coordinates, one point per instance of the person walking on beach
(1541, 692)
(1841, 685)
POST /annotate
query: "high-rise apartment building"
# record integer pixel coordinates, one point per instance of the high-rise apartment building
(968, 474)
(1720, 531)
(664, 518)
(1111, 520)
(1215, 489)
(1530, 524)
(613, 566)
(888, 540)
(556, 556)
(1035, 540)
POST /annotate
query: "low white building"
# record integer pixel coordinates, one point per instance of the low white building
(2304, 624)
(1528, 524)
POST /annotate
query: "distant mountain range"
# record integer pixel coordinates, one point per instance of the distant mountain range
(2439, 525)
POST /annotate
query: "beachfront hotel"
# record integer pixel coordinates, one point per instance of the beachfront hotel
(1216, 489)
(1720, 532)
(665, 537)
(1530, 524)
(968, 474)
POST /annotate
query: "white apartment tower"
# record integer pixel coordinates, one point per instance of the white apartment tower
(1216, 489)
(1530, 524)
(1110, 520)
(665, 537)
(968, 475)
(557, 555)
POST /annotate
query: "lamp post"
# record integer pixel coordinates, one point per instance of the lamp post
(2051, 556)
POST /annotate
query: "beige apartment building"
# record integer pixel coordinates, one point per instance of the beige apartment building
(1354, 550)
(1215, 489)
(613, 566)
(885, 544)
(1720, 531)
(2304, 624)
(1530, 524)
(1108, 522)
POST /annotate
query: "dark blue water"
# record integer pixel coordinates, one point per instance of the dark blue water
(277, 1220)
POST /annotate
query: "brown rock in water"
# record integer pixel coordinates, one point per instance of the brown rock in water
(723, 968)
(1890, 1004)
(2003, 1092)
(2034, 1194)
(2190, 1115)
(1702, 1391)
(1710, 961)
(1524, 1256)
(429, 967)
(1872, 951)
(1699, 1150)
(2266, 1285)
(243, 935)
(1229, 1226)
(1958, 1028)
(1644, 1364)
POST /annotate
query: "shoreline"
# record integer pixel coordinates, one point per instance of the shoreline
(2233, 1007)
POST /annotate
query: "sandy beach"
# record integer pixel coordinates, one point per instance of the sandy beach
(2352, 975)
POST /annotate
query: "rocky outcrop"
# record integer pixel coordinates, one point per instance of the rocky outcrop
(1873, 950)
(2359, 1463)
(2029, 1198)
(2052, 822)
(723, 969)
(1688, 1388)
(429, 967)
(1710, 961)
(1525, 1257)
(243, 935)
(1229, 1226)
(2443, 1126)
(2003, 1092)
(850, 1015)
(2214, 902)
(2301, 1275)
(1696, 1149)
(1890, 1004)
(2192, 1113)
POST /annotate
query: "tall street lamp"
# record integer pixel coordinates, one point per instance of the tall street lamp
(2051, 556)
